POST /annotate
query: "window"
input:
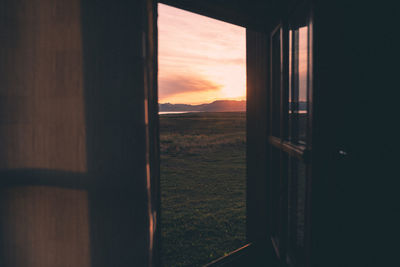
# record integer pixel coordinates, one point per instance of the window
(277, 132)
(202, 123)
(298, 84)
(289, 138)
(299, 129)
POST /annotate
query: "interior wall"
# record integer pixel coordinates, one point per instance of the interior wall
(41, 104)
(42, 127)
(354, 193)
(44, 227)
(73, 133)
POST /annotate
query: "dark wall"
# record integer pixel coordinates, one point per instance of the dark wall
(353, 194)
(42, 135)
(257, 58)
(354, 159)
(75, 78)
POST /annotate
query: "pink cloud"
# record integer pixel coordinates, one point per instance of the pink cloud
(178, 84)
(199, 58)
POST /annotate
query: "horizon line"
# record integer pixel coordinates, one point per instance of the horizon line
(193, 104)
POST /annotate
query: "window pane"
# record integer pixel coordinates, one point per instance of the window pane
(298, 84)
(303, 83)
(297, 207)
(301, 203)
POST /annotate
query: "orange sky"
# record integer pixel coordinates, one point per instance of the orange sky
(200, 59)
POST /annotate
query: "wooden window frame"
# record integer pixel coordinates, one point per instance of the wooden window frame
(292, 150)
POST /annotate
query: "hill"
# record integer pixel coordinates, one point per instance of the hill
(216, 106)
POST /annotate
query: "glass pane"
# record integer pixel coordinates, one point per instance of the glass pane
(298, 84)
(303, 83)
(291, 202)
(301, 203)
(296, 207)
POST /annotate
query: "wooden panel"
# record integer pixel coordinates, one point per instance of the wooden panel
(117, 58)
(72, 104)
(153, 147)
(257, 186)
(42, 121)
(44, 227)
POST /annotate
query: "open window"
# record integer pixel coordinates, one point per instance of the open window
(289, 138)
(202, 127)
(279, 73)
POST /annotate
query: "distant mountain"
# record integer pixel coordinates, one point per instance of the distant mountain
(302, 105)
(216, 106)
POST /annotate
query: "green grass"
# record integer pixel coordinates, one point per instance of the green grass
(202, 186)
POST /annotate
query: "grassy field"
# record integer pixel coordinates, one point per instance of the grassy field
(202, 186)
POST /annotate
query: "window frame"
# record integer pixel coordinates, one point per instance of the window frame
(294, 151)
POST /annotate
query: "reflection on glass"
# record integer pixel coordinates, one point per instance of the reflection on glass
(291, 201)
(301, 203)
(298, 84)
(303, 83)
(296, 205)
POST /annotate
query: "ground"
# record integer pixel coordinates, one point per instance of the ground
(202, 186)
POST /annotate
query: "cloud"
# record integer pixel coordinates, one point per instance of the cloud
(234, 61)
(199, 58)
(179, 84)
(190, 39)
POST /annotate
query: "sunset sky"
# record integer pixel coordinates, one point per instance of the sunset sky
(200, 59)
